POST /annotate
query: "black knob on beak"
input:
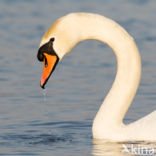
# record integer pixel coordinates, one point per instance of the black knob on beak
(46, 48)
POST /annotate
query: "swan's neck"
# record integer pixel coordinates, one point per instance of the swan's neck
(75, 28)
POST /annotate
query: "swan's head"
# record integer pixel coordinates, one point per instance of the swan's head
(49, 57)
(59, 39)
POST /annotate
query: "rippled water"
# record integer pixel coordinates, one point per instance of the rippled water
(58, 121)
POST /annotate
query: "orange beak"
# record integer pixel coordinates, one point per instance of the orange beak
(49, 63)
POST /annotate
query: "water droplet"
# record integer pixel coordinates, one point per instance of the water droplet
(44, 95)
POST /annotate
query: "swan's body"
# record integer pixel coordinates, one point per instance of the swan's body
(67, 32)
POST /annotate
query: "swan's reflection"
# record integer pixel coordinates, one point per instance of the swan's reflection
(102, 148)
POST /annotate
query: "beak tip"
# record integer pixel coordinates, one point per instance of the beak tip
(42, 86)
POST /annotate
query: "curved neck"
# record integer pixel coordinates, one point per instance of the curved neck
(74, 28)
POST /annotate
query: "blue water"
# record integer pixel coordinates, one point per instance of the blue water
(58, 121)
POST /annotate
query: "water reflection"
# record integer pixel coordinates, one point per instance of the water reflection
(102, 147)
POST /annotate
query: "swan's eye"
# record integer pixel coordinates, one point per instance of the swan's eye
(45, 62)
(40, 56)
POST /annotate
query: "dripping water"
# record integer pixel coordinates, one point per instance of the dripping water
(44, 92)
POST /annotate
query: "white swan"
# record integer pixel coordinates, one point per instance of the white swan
(67, 32)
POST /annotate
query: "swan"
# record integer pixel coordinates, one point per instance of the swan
(108, 124)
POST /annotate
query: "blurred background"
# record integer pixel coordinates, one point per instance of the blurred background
(58, 120)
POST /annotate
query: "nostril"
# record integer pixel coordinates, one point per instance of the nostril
(45, 62)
